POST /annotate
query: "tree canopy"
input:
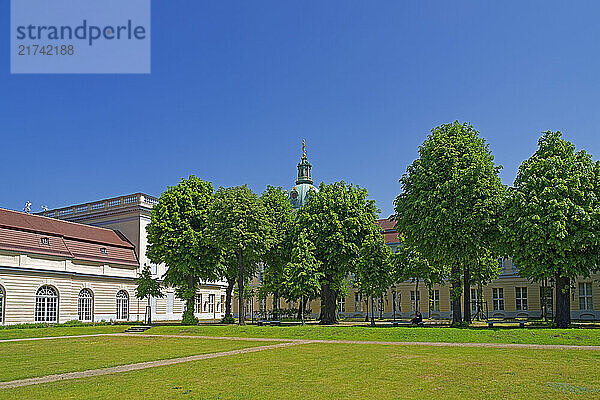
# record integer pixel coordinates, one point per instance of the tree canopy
(178, 236)
(450, 203)
(552, 217)
(240, 226)
(336, 219)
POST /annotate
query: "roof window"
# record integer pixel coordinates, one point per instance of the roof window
(45, 241)
(103, 250)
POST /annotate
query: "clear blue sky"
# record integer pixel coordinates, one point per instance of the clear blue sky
(235, 86)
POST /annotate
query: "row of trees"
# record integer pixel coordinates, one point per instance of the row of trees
(203, 235)
(457, 218)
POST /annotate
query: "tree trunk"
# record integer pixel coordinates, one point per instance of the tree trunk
(367, 305)
(467, 294)
(302, 309)
(456, 287)
(189, 304)
(299, 315)
(372, 313)
(228, 292)
(328, 303)
(276, 305)
(562, 316)
(242, 319)
(417, 297)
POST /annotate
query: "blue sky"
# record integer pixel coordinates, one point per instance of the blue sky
(236, 86)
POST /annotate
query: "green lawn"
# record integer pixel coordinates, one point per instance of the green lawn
(395, 334)
(336, 371)
(28, 359)
(59, 331)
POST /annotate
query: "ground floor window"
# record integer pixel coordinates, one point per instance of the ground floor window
(122, 305)
(414, 300)
(435, 300)
(498, 299)
(221, 305)
(342, 305)
(521, 295)
(2, 301)
(211, 303)
(357, 302)
(198, 303)
(585, 296)
(46, 304)
(85, 305)
(475, 298)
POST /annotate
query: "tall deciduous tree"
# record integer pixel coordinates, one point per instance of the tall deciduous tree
(374, 269)
(178, 237)
(336, 219)
(275, 259)
(148, 287)
(240, 226)
(553, 215)
(450, 202)
(302, 275)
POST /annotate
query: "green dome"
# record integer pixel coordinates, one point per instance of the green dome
(304, 182)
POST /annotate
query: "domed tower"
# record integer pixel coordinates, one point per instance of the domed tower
(304, 182)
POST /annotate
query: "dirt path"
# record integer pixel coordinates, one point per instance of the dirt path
(137, 366)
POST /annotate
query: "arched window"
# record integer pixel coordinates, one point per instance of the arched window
(46, 304)
(122, 305)
(85, 305)
(2, 301)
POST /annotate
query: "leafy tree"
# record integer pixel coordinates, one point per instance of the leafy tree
(336, 219)
(178, 237)
(552, 217)
(374, 269)
(148, 287)
(410, 264)
(275, 259)
(241, 227)
(302, 275)
(450, 204)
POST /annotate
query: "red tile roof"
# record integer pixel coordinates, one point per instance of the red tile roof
(24, 232)
(388, 230)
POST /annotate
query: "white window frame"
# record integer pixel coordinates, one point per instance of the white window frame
(211, 303)
(342, 304)
(521, 298)
(414, 299)
(198, 303)
(122, 305)
(498, 299)
(46, 304)
(475, 296)
(585, 296)
(2, 304)
(85, 305)
(435, 300)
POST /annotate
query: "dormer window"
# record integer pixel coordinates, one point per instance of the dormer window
(102, 250)
(45, 241)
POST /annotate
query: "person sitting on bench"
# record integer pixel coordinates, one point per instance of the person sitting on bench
(418, 319)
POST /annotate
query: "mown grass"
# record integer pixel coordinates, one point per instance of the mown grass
(29, 332)
(340, 371)
(19, 360)
(395, 334)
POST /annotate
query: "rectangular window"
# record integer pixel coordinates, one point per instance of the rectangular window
(198, 303)
(498, 299)
(435, 300)
(357, 302)
(211, 303)
(521, 294)
(222, 303)
(475, 297)
(585, 296)
(342, 305)
(414, 299)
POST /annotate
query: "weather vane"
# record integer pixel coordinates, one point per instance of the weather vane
(303, 148)
(27, 207)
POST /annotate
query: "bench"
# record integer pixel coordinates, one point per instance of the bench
(406, 323)
(272, 323)
(491, 323)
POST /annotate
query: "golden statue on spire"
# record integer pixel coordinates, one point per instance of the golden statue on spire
(303, 148)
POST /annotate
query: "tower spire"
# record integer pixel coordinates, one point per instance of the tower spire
(303, 148)
(304, 168)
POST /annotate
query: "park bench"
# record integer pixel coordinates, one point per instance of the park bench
(264, 322)
(406, 323)
(491, 323)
